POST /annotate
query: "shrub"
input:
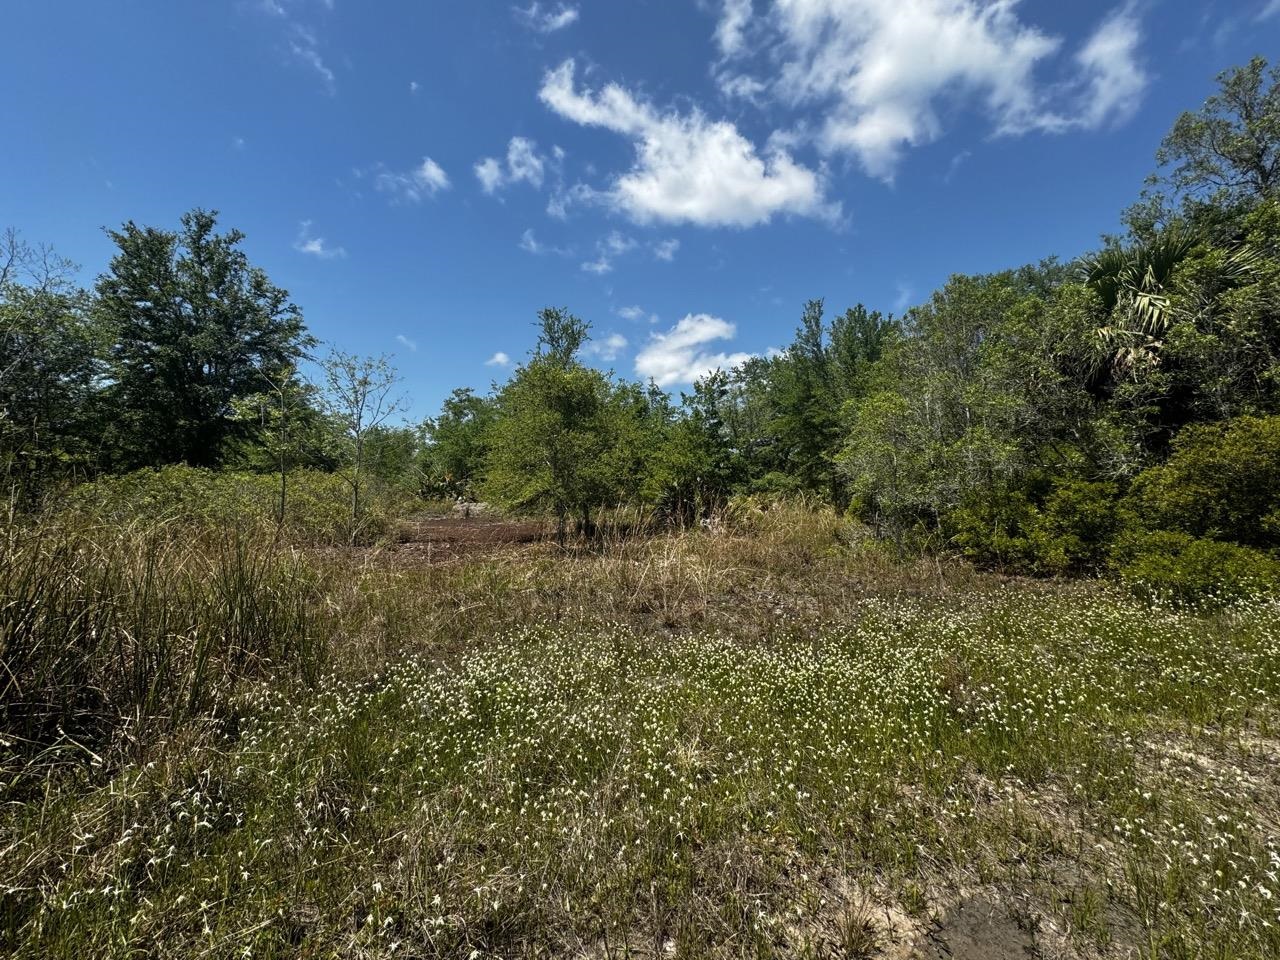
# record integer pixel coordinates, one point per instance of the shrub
(1222, 482)
(1172, 565)
(1069, 530)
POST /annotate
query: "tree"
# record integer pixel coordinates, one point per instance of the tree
(552, 438)
(458, 440)
(1230, 148)
(358, 397)
(692, 467)
(1132, 283)
(985, 390)
(285, 415)
(193, 323)
(49, 368)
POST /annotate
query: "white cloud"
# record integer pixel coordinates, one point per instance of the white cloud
(499, 359)
(1270, 10)
(631, 313)
(903, 299)
(301, 40)
(886, 72)
(529, 243)
(489, 173)
(731, 31)
(688, 168)
(315, 246)
(404, 341)
(609, 249)
(741, 86)
(238, 143)
(413, 86)
(305, 47)
(524, 164)
(1113, 78)
(547, 20)
(666, 249)
(606, 349)
(956, 163)
(680, 355)
(560, 202)
(425, 180)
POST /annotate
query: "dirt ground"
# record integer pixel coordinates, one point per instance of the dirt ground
(433, 540)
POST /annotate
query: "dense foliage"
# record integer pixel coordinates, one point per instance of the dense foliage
(1047, 419)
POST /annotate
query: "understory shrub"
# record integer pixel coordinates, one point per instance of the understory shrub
(1222, 482)
(1067, 529)
(1169, 564)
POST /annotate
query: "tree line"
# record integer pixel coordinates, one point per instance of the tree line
(1046, 418)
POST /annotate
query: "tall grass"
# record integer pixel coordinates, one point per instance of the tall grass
(142, 625)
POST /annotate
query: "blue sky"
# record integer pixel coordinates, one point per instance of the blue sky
(423, 176)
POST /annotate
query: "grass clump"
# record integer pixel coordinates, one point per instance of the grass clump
(141, 627)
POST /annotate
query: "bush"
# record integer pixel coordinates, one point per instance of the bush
(1222, 482)
(1175, 566)
(1069, 531)
(318, 505)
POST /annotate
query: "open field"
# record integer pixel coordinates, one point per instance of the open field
(762, 739)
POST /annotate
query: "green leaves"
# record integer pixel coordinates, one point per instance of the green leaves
(1230, 148)
(192, 324)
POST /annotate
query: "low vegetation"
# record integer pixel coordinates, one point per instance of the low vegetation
(765, 737)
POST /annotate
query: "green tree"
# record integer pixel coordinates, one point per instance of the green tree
(49, 369)
(285, 416)
(1221, 482)
(457, 442)
(552, 443)
(1229, 150)
(193, 323)
(693, 467)
(985, 388)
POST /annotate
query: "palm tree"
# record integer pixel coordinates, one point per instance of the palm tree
(1133, 283)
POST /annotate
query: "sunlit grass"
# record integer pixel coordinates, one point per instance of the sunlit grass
(605, 789)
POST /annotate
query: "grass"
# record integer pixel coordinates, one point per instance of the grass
(755, 740)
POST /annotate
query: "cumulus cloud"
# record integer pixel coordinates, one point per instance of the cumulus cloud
(547, 20)
(688, 168)
(523, 164)
(884, 72)
(606, 349)
(681, 355)
(499, 359)
(635, 312)
(423, 181)
(314, 246)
